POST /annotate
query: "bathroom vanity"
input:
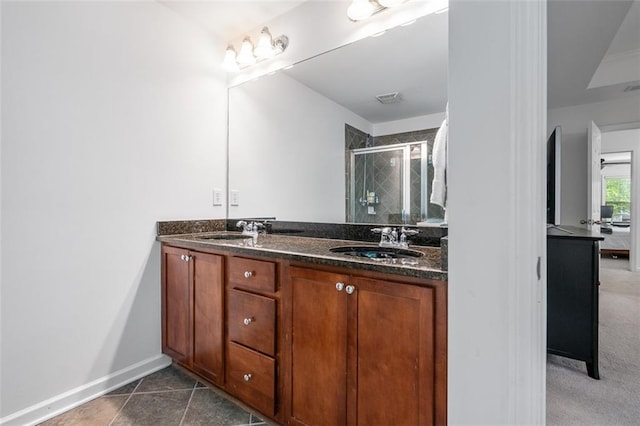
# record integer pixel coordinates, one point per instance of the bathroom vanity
(305, 335)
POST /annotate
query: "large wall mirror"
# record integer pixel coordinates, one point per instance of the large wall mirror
(313, 143)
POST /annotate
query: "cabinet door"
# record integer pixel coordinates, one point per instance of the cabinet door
(394, 354)
(319, 339)
(176, 304)
(208, 316)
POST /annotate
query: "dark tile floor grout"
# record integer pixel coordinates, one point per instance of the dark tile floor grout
(159, 399)
(125, 403)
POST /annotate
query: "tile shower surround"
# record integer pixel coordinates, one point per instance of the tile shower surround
(356, 139)
(169, 397)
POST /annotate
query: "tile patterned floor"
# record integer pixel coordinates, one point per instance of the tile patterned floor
(168, 397)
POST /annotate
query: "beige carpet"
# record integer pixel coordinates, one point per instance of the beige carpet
(573, 398)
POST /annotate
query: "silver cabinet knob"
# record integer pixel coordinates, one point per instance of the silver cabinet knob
(350, 289)
(248, 274)
(247, 377)
(247, 321)
(339, 286)
(185, 257)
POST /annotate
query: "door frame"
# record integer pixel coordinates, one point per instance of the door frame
(594, 176)
(496, 212)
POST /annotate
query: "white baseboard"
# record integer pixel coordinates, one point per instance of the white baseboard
(52, 407)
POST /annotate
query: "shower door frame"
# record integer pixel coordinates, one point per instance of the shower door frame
(406, 176)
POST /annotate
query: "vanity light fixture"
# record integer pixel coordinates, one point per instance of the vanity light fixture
(230, 63)
(264, 49)
(362, 9)
(246, 57)
(267, 48)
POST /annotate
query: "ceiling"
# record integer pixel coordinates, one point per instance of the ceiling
(401, 60)
(581, 34)
(230, 19)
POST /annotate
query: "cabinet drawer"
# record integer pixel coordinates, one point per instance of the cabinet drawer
(252, 321)
(251, 377)
(253, 274)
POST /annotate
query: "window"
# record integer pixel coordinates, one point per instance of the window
(618, 195)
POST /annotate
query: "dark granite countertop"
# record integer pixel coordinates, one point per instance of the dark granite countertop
(567, 231)
(315, 250)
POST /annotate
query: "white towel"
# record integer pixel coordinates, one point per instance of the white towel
(439, 156)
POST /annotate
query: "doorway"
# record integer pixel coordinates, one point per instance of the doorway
(619, 139)
(616, 204)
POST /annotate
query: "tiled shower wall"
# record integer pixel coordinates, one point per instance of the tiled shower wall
(387, 178)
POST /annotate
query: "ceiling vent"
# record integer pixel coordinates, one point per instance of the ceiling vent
(390, 98)
(626, 89)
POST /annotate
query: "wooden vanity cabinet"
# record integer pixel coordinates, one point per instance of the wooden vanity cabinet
(252, 306)
(308, 344)
(193, 311)
(364, 352)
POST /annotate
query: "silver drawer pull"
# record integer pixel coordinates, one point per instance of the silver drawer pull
(339, 286)
(350, 289)
(247, 377)
(247, 321)
(248, 274)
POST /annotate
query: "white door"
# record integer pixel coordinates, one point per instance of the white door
(594, 181)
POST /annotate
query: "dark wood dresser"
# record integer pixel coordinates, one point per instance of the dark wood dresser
(572, 294)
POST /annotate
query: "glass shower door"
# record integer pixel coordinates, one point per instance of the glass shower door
(378, 182)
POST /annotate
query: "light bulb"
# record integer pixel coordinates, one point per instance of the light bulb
(230, 64)
(390, 3)
(264, 48)
(360, 9)
(245, 57)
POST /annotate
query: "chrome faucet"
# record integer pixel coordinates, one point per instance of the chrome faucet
(250, 228)
(389, 236)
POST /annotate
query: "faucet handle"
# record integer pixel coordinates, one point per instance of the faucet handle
(241, 224)
(408, 231)
(384, 231)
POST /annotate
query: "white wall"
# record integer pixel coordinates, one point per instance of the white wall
(277, 111)
(113, 117)
(422, 122)
(574, 122)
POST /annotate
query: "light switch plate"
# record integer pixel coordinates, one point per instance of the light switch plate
(217, 197)
(235, 197)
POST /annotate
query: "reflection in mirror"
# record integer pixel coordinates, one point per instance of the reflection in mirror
(314, 144)
(389, 179)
